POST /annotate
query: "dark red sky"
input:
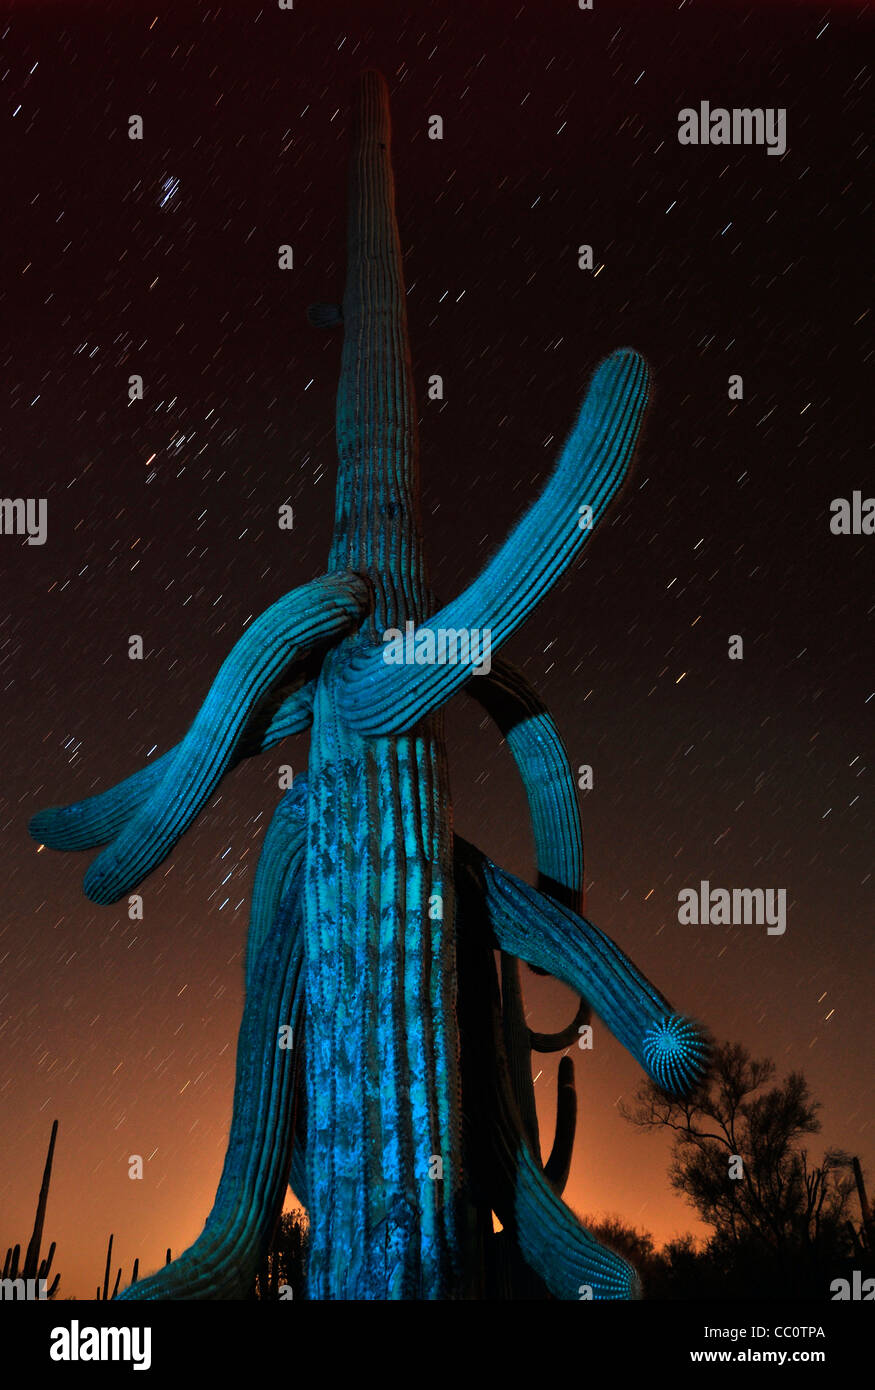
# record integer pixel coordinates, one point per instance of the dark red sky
(560, 128)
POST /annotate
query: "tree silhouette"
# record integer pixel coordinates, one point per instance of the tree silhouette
(284, 1269)
(780, 1220)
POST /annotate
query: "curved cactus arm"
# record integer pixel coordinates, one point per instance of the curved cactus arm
(542, 760)
(223, 1261)
(672, 1049)
(558, 1165)
(280, 861)
(377, 698)
(551, 1239)
(46, 1264)
(516, 1042)
(311, 615)
(545, 1232)
(44, 1271)
(557, 1042)
(97, 820)
(287, 710)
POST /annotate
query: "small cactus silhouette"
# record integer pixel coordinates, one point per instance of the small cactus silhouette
(33, 1267)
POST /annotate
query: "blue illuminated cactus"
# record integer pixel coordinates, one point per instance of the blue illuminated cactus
(404, 1113)
(674, 1053)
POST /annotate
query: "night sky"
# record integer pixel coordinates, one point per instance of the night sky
(159, 257)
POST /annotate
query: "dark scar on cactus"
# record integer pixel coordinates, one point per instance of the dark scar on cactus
(404, 1112)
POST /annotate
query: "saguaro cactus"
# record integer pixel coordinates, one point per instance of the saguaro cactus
(403, 1110)
(35, 1268)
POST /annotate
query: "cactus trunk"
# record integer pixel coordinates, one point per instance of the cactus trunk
(381, 1040)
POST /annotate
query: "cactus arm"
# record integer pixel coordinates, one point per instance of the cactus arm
(519, 1057)
(280, 861)
(551, 1239)
(286, 711)
(377, 698)
(223, 1261)
(98, 819)
(106, 1270)
(46, 1264)
(542, 760)
(558, 1165)
(557, 1042)
(31, 1258)
(527, 924)
(537, 1223)
(295, 624)
(516, 1043)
